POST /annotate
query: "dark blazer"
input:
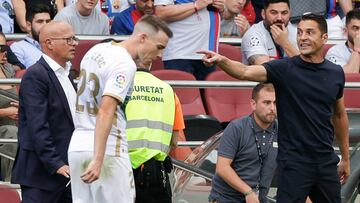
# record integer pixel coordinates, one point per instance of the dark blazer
(45, 129)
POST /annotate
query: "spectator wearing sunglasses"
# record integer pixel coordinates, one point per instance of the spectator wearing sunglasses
(8, 112)
(28, 50)
(85, 18)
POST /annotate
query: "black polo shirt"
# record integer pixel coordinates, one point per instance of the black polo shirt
(305, 95)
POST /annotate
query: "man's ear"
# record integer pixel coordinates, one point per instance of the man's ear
(345, 32)
(49, 44)
(143, 37)
(28, 26)
(325, 37)
(253, 104)
(263, 13)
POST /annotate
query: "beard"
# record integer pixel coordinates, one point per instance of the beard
(351, 39)
(34, 35)
(267, 118)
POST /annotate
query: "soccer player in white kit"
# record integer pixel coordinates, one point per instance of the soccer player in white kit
(100, 168)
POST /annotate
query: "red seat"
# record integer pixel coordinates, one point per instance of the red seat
(8, 195)
(326, 48)
(20, 73)
(190, 98)
(80, 51)
(226, 104)
(157, 64)
(231, 52)
(352, 96)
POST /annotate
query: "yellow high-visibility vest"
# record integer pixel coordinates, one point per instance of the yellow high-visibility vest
(150, 117)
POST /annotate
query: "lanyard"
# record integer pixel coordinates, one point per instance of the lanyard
(257, 142)
(258, 147)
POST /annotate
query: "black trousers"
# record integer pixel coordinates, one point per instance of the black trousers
(319, 181)
(152, 183)
(36, 195)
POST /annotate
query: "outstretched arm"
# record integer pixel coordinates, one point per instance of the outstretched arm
(235, 69)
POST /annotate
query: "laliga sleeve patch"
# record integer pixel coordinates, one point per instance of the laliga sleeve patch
(254, 41)
(120, 80)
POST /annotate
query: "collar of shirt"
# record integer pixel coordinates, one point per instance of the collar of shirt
(32, 42)
(56, 67)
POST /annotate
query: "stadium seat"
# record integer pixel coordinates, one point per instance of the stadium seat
(226, 104)
(20, 73)
(231, 52)
(190, 98)
(157, 64)
(8, 194)
(352, 96)
(80, 51)
(326, 48)
(201, 127)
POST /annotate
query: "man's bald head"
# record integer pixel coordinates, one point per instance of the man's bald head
(53, 29)
(58, 41)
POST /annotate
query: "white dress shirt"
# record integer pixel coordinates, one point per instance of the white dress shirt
(62, 74)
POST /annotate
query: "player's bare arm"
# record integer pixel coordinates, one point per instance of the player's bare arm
(104, 120)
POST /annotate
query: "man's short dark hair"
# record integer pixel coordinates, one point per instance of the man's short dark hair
(319, 19)
(32, 10)
(353, 14)
(157, 24)
(267, 86)
(268, 2)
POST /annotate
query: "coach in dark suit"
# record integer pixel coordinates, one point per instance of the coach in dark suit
(47, 104)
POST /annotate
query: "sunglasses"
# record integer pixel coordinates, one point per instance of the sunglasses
(3, 48)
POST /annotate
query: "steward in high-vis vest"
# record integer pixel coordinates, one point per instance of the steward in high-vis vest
(154, 119)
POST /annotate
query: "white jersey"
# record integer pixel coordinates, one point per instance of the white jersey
(257, 41)
(106, 69)
(339, 54)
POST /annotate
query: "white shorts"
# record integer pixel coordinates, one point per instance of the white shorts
(115, 184)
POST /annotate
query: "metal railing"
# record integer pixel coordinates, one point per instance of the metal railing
(183, 84)
(227, 40)
(194, 84)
